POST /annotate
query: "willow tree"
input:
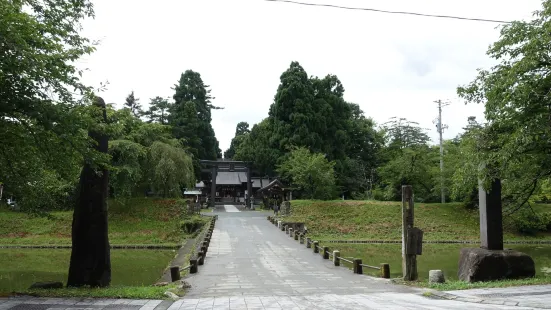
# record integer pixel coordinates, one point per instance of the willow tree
(172, 169)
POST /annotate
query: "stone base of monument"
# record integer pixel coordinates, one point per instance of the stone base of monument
(477, 264)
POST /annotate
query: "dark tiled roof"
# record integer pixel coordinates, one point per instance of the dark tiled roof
(231, 178)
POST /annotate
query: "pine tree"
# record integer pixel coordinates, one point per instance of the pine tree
(133, 104)
(158, 111)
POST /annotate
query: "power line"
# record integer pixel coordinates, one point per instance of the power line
(393, 12)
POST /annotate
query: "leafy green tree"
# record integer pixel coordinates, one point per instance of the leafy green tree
(257, 147)
(127, 160)
(158, 111)
(310, 173)
(515, 143)
(133, 104)
(407, 159)
(41, 116)
(241, 130)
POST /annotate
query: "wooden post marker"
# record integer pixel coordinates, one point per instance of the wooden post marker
(174, 273)
(315, 247)
(358, 268)
(301, 239)
(385, 271)
(296, 235)
(290, 232)
(308, 243)
(412, 238)
(325, 252)
(336, 258)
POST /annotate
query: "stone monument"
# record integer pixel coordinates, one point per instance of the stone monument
(490, 261)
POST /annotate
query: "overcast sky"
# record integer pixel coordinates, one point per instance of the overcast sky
(391, 65)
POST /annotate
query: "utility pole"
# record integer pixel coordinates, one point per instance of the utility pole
(440, 128)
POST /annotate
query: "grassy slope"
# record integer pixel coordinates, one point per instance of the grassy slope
(376, 220)
(140, 221)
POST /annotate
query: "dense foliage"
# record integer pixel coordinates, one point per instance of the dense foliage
(46, 113)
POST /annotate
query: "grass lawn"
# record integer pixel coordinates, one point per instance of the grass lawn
(22, 267)
(377, 220)
(138, 221)
(460, 285)
(131, 292)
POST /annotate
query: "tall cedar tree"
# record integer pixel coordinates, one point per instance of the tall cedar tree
(203, 142)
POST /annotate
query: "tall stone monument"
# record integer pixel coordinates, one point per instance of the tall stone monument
(90, 256)
(490, 261)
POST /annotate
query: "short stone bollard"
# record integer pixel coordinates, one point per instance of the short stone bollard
(290, 232)
(385, 271)
(316, 247)
(336, 258)
(204, 250)
(325, 252)
(301, 239)
(174, 273)
(296, 235)
(200, 258)
(283, 227)
(193, 265)
(436, 276)
(279, 224)
(308, 243)
(358, 268)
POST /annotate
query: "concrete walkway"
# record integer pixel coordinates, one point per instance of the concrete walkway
(252, 265)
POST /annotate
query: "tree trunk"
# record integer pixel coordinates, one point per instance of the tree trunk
(90, 255)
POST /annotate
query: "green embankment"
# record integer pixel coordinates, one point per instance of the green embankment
(377, 220)
(143, 221)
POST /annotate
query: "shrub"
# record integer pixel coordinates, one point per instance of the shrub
(529, 222)
(192, 224)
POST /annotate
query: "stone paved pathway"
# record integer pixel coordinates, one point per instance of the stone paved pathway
(252, 265)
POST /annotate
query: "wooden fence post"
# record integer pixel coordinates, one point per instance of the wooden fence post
(308, 242)
(336, 258)
(325, 253)
(193, 265)
(174, 273)
(358, 268)
(409, 258)
(315, 247)
(200, 258)
(385, 271)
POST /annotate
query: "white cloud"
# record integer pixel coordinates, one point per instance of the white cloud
(392, 65)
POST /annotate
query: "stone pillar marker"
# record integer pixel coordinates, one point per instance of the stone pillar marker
(491, 262)
(491, 218)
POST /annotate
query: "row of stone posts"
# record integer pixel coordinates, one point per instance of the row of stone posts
(325, 252)
(199, 258)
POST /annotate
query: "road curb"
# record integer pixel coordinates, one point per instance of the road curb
(492, 301)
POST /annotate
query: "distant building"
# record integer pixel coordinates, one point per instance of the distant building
(231, 182)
